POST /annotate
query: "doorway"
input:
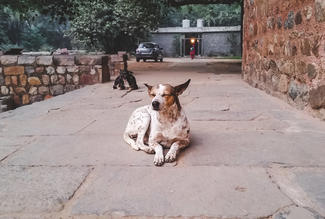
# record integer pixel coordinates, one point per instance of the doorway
(190, 40)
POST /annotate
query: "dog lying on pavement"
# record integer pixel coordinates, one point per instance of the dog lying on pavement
(163, 124)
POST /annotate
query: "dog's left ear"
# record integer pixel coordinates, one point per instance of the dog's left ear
(148, 86)
(180, 88)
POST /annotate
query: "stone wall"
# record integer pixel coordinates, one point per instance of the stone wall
(221, 44)
(284, 50)
(28, 79)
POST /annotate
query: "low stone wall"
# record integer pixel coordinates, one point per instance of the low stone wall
(284, 50)
(28, 79)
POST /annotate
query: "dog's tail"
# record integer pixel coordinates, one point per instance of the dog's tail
(130, 141)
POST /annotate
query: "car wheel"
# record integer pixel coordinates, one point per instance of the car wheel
(138, 60)
(161, 60)
(156, 59)
(144, 60)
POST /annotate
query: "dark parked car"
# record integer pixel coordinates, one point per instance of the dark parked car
(149, 50)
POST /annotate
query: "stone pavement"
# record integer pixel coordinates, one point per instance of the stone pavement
(252, 155)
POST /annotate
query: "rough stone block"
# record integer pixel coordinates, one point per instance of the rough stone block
(17, 100)
(64, 60)
(61, 69)
(317, 97)
(75, 79)
(39, 70)
(2, 80)
(283, 84)
(0, 70)
(311, 71)
(50, 70)
(34, 81)
(4, 90)
(26, 60)
(84, 69)
(89, 60)
(8, 60)
(25, 99)
(14, 70)
(29, 70)
(287, 68)
(290, 21)
(7, 80)
(23, 80)
(37, 190)
(36, 98)
(20, 90)
(298, 18)
(32, 91)
(54, 79)
(61, 79)
(320, 10)
(86, 79)
(69, 78)
(57, 90)
(43, 90)
(14, 80)
(305, 47)
(308, 12)
(297, 90)
(69, 88)
(44, 60)
(46, 79)
(72, 69)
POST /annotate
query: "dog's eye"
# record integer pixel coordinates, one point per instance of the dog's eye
(165, 95)
(153, 95)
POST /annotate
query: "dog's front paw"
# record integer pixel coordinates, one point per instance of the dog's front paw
(170, 157)
(158, 160)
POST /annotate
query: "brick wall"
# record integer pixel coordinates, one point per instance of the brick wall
(28, 79)
(284, 50)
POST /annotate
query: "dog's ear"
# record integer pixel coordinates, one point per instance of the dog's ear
(180, 88)
(148, 86)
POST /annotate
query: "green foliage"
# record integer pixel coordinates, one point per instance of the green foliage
(37, 32)
(114, 25)
(213, 15)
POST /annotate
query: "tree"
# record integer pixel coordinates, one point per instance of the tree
(114, 25)
(35, 33)
(213, 15)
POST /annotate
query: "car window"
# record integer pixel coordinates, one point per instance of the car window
(146, 45)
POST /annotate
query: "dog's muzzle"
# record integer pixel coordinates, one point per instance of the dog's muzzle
(155, 105)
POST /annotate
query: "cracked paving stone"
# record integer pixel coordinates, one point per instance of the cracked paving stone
(38, 189)
(305, 186)
(6, 151)
(294, 212)
(189, 191)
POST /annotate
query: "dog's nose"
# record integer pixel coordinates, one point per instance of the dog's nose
(155, 105)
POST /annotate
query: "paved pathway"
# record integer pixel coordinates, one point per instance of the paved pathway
(252, 156)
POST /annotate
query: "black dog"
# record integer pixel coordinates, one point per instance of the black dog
(128, 76)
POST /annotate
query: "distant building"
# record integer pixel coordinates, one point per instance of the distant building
(208, 41)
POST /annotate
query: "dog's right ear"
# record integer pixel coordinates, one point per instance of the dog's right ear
(148, 86)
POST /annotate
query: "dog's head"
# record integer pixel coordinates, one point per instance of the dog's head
(164, 95)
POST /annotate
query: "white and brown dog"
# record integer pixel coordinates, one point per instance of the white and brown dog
(161, 124)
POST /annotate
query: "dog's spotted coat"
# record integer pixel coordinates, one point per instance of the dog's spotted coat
(161, 124)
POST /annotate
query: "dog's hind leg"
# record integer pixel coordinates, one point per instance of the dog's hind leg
(142, 132)
(130, 141)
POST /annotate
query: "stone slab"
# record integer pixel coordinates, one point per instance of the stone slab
(294, 212)
(5, 151)
(192, 191)
(213, 145)
(80, 150)
(38, 189)
(305, 186)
